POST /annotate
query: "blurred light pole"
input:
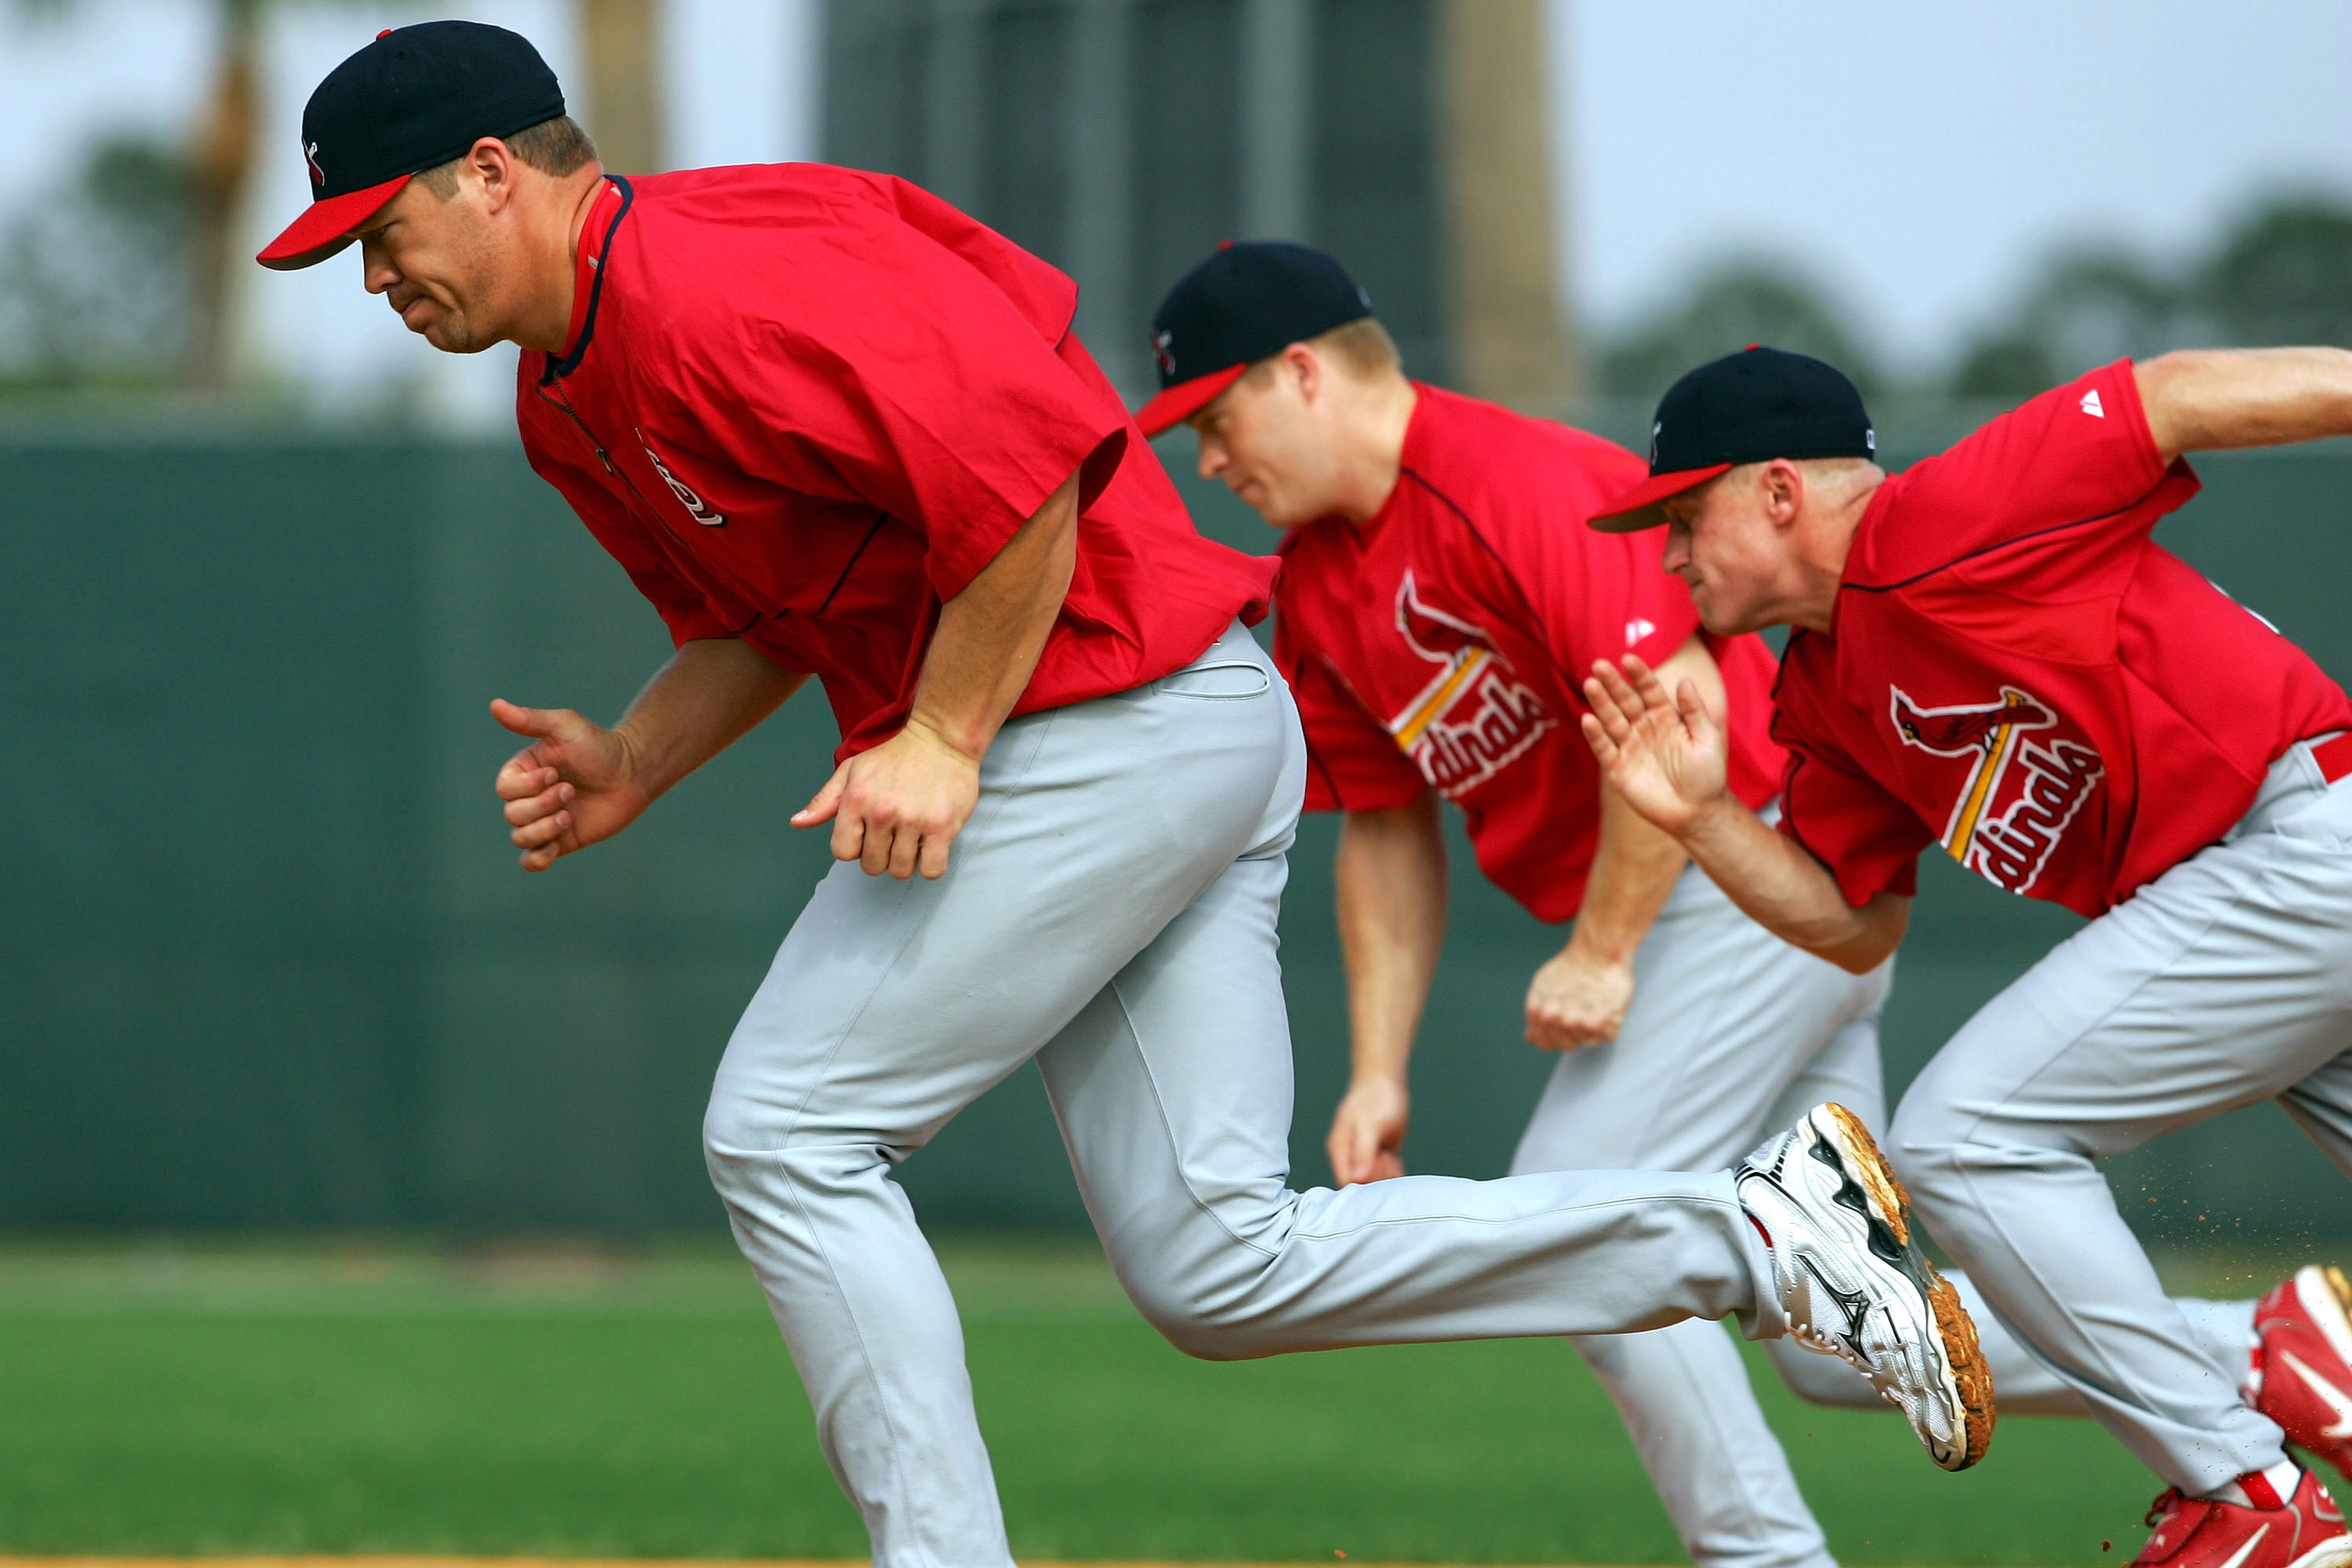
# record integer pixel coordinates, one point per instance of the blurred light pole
(623, 40)
(1510, 338)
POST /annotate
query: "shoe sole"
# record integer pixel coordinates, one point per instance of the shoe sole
(2333, 1553)
(2325, 1296)
(1956, 1333)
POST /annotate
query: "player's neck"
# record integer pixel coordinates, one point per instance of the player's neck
(1378, 413)
(556, 231)
(1824, 542)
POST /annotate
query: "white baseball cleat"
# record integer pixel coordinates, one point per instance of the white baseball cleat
(1853, 1283)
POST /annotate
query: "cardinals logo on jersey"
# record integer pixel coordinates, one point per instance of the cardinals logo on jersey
(693, 503)
(1475, 717)
(2021, 794)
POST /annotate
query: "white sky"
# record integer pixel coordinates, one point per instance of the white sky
(1918, 157)
(1921, 157)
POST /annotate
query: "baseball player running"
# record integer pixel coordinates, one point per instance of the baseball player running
(1992, 654)
(831, 426)
(1438, 596)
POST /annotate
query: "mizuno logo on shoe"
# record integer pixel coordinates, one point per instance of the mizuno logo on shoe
(2335, 1398)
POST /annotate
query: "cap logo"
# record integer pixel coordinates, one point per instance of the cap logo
(310, 156)
(1870, 439)
(1164, 350)
(1657, 428)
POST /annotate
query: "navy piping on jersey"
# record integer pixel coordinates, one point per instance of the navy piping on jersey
(1575, 690)
(570, 362)
(557, 369)
(851, 564)
(1999, 544)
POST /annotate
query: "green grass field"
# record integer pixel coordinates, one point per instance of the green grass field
(306, 1399)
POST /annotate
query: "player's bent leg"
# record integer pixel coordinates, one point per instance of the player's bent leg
(891, 1006)
(1173, 1092)
(2218, 984)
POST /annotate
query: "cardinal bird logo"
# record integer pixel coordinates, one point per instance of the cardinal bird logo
(1956, 732)
(2004, 836)
(1474, 718)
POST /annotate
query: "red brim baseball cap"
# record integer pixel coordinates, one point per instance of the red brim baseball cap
(1245, 303)
(1749, 407)
(1179, 403)
(326, 224)
(1644, 505)
(416, 98)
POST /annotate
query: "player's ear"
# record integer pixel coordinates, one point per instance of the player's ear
(1783, 484)
(493, 163)
(1301, 362)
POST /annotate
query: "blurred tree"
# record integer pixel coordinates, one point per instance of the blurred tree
(219, 166)
(2283, 274)
(1738, 302)
(94, 278)
(2089, 307)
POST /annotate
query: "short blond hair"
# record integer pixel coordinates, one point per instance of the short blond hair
(1362, 348)
(558, 147)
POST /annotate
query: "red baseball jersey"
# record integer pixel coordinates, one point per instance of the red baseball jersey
(805, 405)
(2015, 670)
(1443, 643)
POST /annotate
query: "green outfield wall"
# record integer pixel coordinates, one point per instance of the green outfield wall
(266, 959)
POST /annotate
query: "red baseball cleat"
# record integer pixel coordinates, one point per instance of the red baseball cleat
(2197, 1533)
(2301, 1372)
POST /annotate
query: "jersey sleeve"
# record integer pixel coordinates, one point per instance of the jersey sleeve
(891, 368)
(1352, 762)
(1868, 839)
(2078, 457)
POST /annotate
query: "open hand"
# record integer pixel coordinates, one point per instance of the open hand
(898, 807)
(1578, 999)
(1665, 755)
(570, 788)
(1368, 1131)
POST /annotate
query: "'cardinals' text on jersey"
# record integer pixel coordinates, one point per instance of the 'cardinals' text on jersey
(1441, 644)
(2017, 672)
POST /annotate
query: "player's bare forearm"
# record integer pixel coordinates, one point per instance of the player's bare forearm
(1391, 898)
(1634, 865)
(2202, 400)
(990, 635)
(1391, 883)
(710, 695)
(898, 807)
(1788, 892)
(1633, 871)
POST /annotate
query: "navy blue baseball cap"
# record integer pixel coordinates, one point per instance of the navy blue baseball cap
(413, 100)
(1243, 303)
(1749, 407)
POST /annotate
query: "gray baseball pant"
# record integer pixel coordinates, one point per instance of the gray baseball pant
(2226, 981)
(1733, 1034)
(1109, 912)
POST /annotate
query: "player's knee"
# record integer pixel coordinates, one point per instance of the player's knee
(1939, 1153)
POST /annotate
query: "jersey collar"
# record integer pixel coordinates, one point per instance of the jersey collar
(596, 233)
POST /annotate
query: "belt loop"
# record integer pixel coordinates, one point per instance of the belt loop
(2334, 757)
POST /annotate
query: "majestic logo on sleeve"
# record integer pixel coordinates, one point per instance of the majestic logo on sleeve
(2022, 791)
(681, 489)
(1475, 717)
